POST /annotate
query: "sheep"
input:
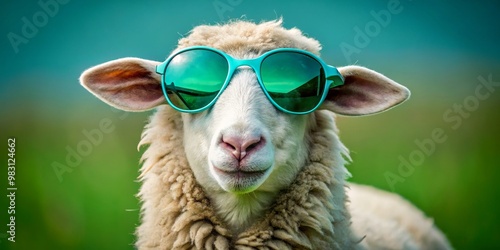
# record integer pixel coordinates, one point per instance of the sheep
(303, 200)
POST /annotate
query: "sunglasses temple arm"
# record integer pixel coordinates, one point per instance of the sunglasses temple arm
(333, 74)
(173, 89)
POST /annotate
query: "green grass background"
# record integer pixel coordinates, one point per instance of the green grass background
(437, 49)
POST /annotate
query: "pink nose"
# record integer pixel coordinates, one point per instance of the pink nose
(239, 146)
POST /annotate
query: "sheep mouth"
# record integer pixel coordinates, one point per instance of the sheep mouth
(241, 174)
(241, 181)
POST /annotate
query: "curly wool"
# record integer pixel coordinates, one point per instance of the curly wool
(176, 213)
(241, 36)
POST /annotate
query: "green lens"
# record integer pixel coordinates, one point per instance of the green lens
(293, 80)
(193, 78)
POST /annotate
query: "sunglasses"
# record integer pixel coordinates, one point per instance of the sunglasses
(295, 81)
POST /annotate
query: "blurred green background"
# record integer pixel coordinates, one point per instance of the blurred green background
(439, 50)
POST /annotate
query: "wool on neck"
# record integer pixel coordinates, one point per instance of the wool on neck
(177, 213)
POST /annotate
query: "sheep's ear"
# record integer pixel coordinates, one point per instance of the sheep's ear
(130, 84)
(364, 92)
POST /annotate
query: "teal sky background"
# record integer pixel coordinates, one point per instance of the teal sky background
(424, 36)
(438, 49)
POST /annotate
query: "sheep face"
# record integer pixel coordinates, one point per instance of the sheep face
(243, 143)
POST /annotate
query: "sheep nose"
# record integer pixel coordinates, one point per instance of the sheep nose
(240, 146)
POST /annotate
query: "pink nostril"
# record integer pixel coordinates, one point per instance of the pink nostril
(240, 146)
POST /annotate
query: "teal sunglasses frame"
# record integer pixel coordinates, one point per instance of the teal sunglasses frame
(333, 77)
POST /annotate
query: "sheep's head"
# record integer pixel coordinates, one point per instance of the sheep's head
(242, 143)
